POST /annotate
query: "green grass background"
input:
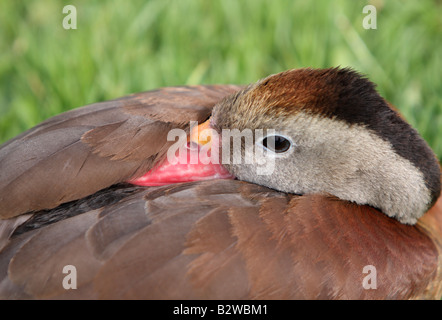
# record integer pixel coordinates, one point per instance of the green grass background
(121, 47)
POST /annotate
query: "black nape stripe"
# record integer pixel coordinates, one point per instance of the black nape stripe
(358, 102)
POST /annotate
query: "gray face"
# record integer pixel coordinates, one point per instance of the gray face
(332, 157)
(345, 140)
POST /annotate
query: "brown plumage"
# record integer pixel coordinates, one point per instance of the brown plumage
(91, 148)
(64, 203)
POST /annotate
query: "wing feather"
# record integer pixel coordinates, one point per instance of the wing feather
(79, 152)
(221, 239)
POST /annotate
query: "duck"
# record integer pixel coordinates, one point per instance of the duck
(306, 185)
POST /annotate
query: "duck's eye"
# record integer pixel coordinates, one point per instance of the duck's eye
(277, 144)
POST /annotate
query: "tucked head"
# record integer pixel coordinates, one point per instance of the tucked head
(334, 135)
(324, 131)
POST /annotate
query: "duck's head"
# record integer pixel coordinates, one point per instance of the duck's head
(328, 131)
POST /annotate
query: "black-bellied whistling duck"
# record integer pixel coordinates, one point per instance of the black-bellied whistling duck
(350, 186)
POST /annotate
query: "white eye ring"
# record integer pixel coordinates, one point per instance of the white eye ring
(279, 145)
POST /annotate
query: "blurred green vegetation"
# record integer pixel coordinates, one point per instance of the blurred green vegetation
(121, 47)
